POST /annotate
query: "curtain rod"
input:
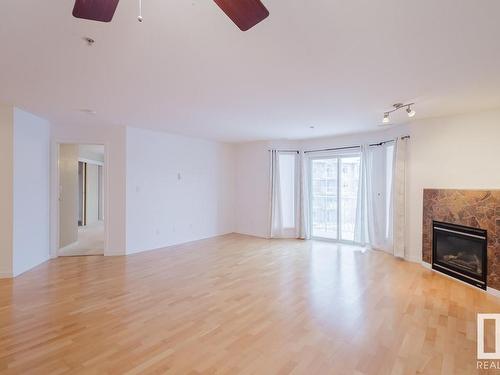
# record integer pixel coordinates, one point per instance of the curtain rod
(343, 148)
(296, 151)
(389, 141)
(333, 149)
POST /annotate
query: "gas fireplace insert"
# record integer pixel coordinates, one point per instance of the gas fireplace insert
(460, 252)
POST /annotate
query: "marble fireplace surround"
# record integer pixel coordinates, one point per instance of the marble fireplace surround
(472, 208)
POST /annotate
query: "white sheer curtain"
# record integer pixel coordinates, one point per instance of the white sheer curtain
(361, 226)
(286, 195)
(305, 217)
(275, 229)
(399, 197)
(380, 217)
(378, 196)
(380, 212)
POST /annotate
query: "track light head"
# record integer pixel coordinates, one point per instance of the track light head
(397, 107)
(410, 112)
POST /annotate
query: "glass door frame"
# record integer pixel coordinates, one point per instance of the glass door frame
(310, 186)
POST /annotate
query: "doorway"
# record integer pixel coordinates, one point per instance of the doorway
(81, 200)
(334, 196)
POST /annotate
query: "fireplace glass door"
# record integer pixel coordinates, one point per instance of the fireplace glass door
(460, 250)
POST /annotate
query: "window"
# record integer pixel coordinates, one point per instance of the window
(334, 196)
(349, 184)
(324, 197)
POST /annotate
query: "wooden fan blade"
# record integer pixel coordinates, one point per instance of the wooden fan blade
(244, 13)
(95, 10)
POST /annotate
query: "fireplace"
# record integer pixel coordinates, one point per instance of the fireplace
(460, 252)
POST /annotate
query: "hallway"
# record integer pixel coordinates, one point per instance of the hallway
(90, 241)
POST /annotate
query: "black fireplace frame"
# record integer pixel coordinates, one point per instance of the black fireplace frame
(466, 232)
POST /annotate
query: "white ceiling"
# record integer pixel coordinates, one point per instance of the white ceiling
(334, 64)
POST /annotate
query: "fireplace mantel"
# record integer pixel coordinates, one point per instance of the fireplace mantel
(473, 208)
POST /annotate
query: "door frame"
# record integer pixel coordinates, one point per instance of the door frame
(54, 192)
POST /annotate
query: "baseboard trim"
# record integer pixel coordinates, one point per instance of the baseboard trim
(492, 291)
(31, 266)
(255, 235)
(181, 243)
(427, 265)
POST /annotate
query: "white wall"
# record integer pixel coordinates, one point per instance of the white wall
(6, 189)
(113, 139)
(460, 152)
(31, 191)
(383, 134)
(179, 189)
(252, 188)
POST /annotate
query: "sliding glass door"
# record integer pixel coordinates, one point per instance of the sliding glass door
(334, 196)
(324, 199)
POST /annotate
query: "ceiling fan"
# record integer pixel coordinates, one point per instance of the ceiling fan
(244, 13)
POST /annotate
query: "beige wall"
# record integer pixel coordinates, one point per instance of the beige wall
(68, 194)
(6, 189)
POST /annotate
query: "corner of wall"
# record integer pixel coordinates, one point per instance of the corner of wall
(6, 189)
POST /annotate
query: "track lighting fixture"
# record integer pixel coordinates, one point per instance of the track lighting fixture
(397, 106)
(410, 111)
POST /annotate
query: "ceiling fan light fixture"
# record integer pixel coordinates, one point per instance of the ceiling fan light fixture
(95, 10)
(244, 13)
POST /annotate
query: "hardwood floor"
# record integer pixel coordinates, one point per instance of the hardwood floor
(239, 305)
